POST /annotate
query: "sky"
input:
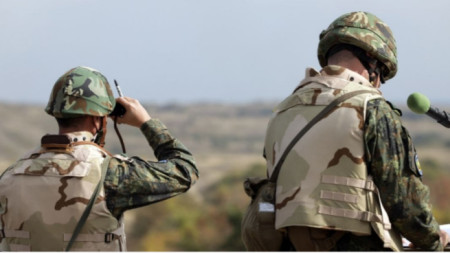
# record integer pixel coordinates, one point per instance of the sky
(220, 51)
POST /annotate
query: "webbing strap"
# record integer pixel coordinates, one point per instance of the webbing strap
(349, 181)
(385, 217)
(11, 233)
(351, 214)
(107, 237)
(19, 247)
(339, 196)
(90, 204)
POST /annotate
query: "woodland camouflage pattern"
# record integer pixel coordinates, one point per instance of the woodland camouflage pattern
(133, 182)
(365, 31)
(397, 174)
(392, 160)
(81, 91)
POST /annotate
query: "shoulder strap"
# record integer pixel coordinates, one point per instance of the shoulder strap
(90, 204)
(273, 178)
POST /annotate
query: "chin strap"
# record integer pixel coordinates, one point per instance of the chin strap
(101, 134)
(372, 65)
(374, 72)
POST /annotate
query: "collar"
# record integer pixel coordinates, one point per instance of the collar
(81, 136)
(63, 143)
(334, 71)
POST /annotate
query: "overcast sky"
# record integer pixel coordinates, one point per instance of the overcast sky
(182, 51)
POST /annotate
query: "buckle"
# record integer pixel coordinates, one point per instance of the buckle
(369, 185)
(109, 237)
(366, 216)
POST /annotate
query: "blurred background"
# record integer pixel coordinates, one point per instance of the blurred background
(211, 70)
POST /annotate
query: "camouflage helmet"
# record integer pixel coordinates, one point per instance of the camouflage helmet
(81, 91)
(363, 30)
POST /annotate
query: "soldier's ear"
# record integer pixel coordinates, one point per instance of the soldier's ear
(96, 122)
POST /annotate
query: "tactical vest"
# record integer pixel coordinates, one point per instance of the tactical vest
(43, 195)
(323, 182)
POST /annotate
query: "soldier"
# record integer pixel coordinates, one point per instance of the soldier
(354, 181)
(44, 194)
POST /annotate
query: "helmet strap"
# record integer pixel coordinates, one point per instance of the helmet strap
(101, 133)
(373, 71)
(372, 66)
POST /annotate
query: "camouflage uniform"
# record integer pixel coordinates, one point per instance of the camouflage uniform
(133, 182)
(64, 171)
(385, 156)
(392, 160)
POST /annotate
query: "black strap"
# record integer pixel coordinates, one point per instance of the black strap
(90, 204)
(119, 135)
(273, 178)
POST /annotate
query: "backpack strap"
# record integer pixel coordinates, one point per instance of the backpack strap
(90, 204)
(273, 178)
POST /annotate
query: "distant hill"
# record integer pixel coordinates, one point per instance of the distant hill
(222, 137)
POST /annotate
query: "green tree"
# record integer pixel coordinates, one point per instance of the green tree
(210, 222)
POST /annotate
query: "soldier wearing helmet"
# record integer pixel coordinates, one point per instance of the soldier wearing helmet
(353, 182)
(70, 192)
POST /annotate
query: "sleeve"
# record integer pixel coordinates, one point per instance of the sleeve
(133, 182)
(392, 161)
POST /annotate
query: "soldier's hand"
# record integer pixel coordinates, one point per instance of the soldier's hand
(444, 237)
(135, 114)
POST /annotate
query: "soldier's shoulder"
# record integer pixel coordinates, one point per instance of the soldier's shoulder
(384, 106)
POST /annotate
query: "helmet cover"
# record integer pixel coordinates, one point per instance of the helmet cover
(363, 30)
(81, 91)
